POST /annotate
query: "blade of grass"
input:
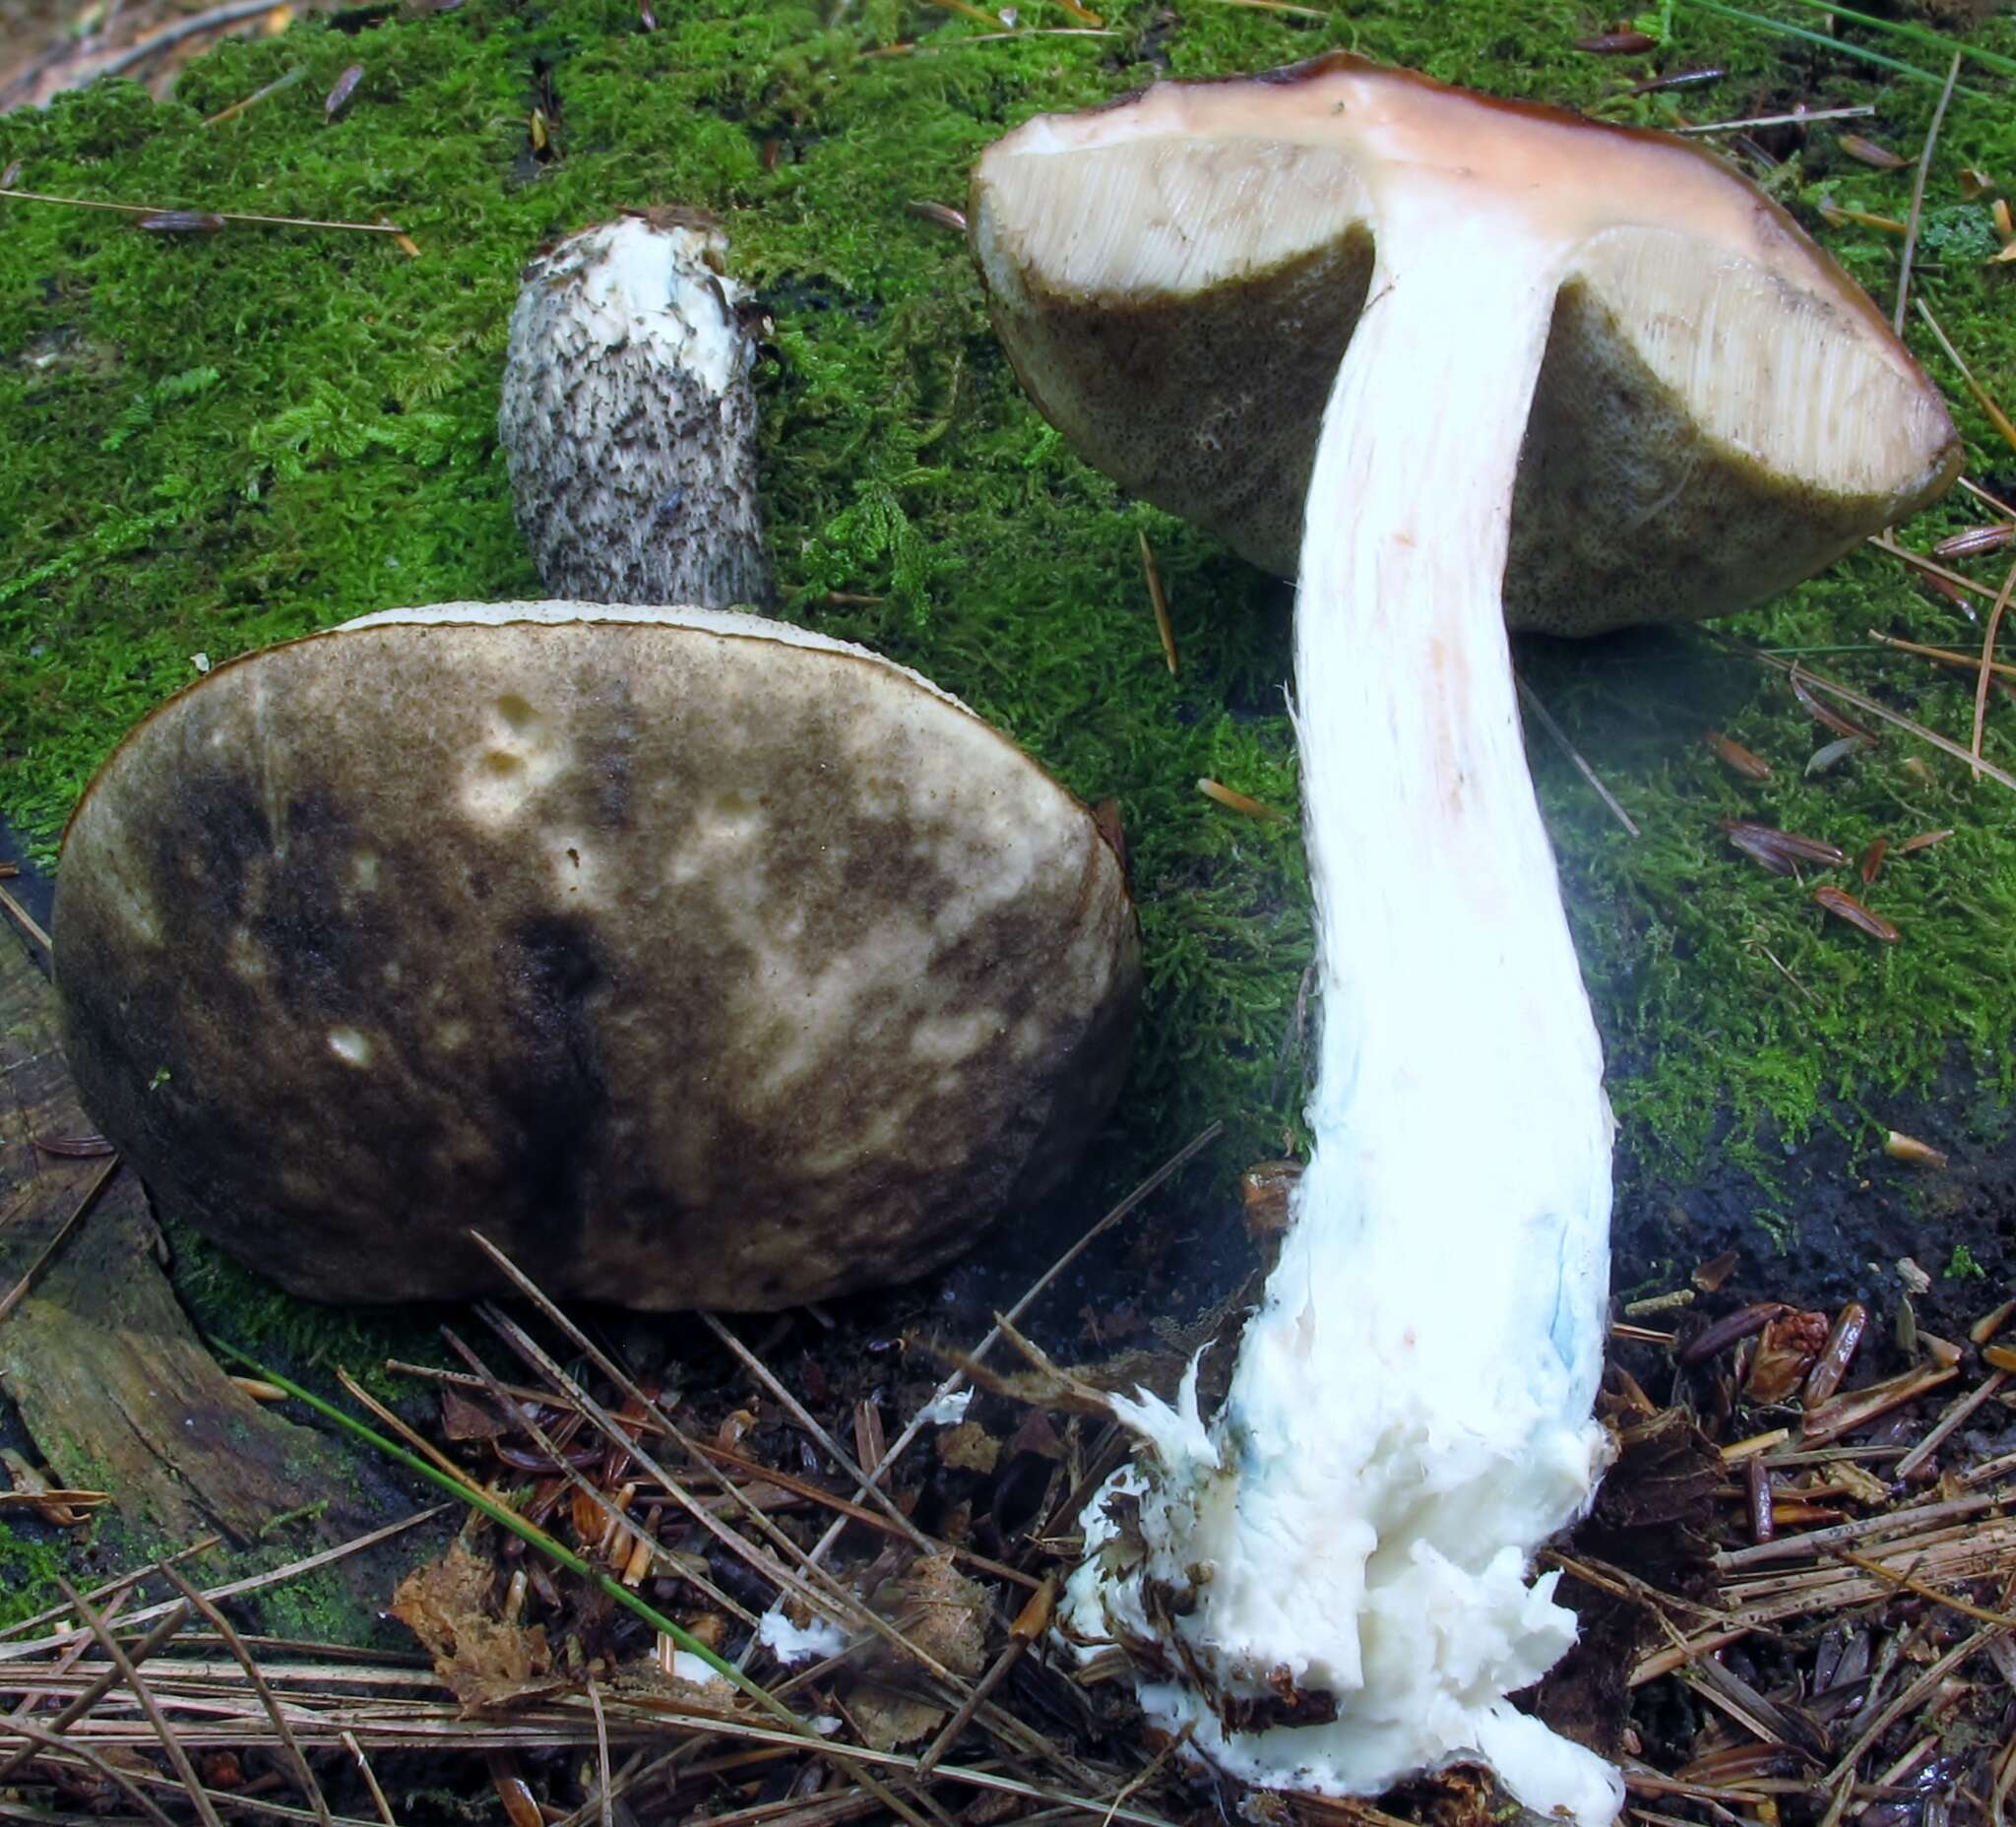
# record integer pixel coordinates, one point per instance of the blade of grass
(1917, 35)
(1779, 28)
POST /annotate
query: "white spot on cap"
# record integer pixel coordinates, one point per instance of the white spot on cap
(350, 1045)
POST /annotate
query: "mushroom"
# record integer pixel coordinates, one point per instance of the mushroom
(628, 419)
(1444, 343)
(698, 960)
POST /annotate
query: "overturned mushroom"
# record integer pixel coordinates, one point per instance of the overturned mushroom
(1441, 344)
(628, 419)
(698, 960)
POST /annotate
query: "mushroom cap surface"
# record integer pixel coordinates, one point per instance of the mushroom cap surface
(697, 960)
(1720, 413)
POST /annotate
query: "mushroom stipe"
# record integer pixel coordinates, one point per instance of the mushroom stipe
(1453, 363)
(702, 961)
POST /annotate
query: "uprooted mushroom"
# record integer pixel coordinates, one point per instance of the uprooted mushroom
(699, 959)
(1478, 362)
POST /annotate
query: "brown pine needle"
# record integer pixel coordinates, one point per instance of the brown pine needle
(356, 1751)
(426, 1449)
(957, 1379)
(243, 1657)
(1083, 14)
(1918, 561)
(1945, 656)
(966, 9)
(27, 921)
(1987, 661)
(52, 1249)
(1980, 494)
(1158, 602)
(1838, 213)
(258, 95)
(1874, 708)
(103, 1683)
(1918, 195)
(106, 1768)
(804, 1418)
(1546, 720)
(1944, 1429)
(1982, 397)
(110, 1590)
(603, 1785)
(1796, 119)
(229, 215)
(116, 1655)
(1238, 802)
(1278, 6)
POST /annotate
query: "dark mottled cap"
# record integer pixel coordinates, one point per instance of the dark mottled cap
(1720, 413)
(698, 960)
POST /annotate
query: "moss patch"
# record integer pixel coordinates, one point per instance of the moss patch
(220, 441)
(29, 1571)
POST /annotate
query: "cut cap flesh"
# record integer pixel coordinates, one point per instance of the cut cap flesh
(1721, 412)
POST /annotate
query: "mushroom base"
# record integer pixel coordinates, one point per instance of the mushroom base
(1328, 1588)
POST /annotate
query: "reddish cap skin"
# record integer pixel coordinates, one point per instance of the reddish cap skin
(1633, 503)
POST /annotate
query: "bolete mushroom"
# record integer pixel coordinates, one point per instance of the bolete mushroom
(1443, 343)
(698, 960)
(628, 417)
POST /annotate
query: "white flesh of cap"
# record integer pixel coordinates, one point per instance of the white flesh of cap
(642, 284)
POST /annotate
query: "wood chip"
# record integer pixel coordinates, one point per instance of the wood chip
(1991, 1322)
(1867, 151)
(1901, 1146)
(1711, 1275)
(1845, 906)
(1237, 800)
(1976, 541)
(1735, 757)
(1781, 852)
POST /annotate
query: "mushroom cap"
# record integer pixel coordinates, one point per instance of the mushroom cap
(695, 959)
(1720, 413)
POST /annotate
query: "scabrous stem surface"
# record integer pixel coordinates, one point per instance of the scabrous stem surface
(1340, 1560)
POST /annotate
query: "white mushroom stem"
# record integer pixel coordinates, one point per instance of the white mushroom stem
(1410, 1415)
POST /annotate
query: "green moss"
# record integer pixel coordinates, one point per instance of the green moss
(319, 1607)
(29, 1571)
(222, 441)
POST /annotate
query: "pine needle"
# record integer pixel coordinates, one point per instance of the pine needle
(1917, 194)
